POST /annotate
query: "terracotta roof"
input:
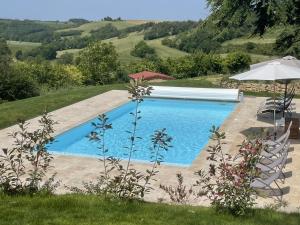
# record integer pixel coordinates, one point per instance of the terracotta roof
(147, 75)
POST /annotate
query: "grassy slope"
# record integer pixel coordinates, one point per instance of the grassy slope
(88, 27)
(256, 58)
(268, 38)
(89, 210)
(10, 112)
(125, 45)
(23, 46)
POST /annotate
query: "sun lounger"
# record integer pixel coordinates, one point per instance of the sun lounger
(276, 151)
(272, 166)
(265, 183)
(279, 106)
(281, 139)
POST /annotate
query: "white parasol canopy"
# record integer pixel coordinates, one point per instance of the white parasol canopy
(270, 72)
(287, 60)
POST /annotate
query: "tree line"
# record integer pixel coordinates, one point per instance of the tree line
(98, 64)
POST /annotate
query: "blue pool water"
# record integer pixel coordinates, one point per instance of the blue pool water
(187, 122)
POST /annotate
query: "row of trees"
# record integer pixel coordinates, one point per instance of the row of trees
(99, 64)
(194, 65)
(35, 31)
(27, 79)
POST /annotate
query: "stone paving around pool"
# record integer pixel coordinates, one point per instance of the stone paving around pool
(72, 171)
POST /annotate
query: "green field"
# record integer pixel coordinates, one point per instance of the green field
(23, 46)
(88, 27)
(125, 45)
(90, 210)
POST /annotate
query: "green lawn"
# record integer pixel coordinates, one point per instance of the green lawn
(89, 210)
(10, 112)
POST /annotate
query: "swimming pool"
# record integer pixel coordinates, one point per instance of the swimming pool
(188, 122)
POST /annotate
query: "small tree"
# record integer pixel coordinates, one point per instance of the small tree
(23, 167)
(227, 182)
(143, 50)
(237, 62)
(99, 63)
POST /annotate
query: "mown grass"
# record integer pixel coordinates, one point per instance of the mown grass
(11, 112)
(90, 210)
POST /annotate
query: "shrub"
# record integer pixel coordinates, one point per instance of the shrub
(50, 75)
(99, 63)
(23, 167)
(179, 194)
(237, 62)
(143, 65)
(66, 58)
(143, 50)
(16, 86)
(194, 65)
(227, 182)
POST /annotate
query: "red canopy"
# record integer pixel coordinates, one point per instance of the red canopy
(147, 75)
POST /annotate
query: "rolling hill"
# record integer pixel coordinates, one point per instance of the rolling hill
(125, 45)
(88, 27)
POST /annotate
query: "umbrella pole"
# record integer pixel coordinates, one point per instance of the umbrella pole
(274, 91)
(285, 93)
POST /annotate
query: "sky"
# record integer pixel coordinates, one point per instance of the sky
(97, 9)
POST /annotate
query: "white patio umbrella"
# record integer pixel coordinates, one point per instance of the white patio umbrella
(287, 60)
(274, 71)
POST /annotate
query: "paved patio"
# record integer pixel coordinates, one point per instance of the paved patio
(242, 122)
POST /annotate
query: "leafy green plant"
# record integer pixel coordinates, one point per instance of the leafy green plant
(179, 194)
(237, 62)
(227, 182)
(99, 63)
(23, 167)
(143, 50)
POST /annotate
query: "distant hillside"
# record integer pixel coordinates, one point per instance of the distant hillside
(125, 45)
(169, 39)
(88, 27)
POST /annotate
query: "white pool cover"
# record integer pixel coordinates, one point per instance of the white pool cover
(216, 94)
